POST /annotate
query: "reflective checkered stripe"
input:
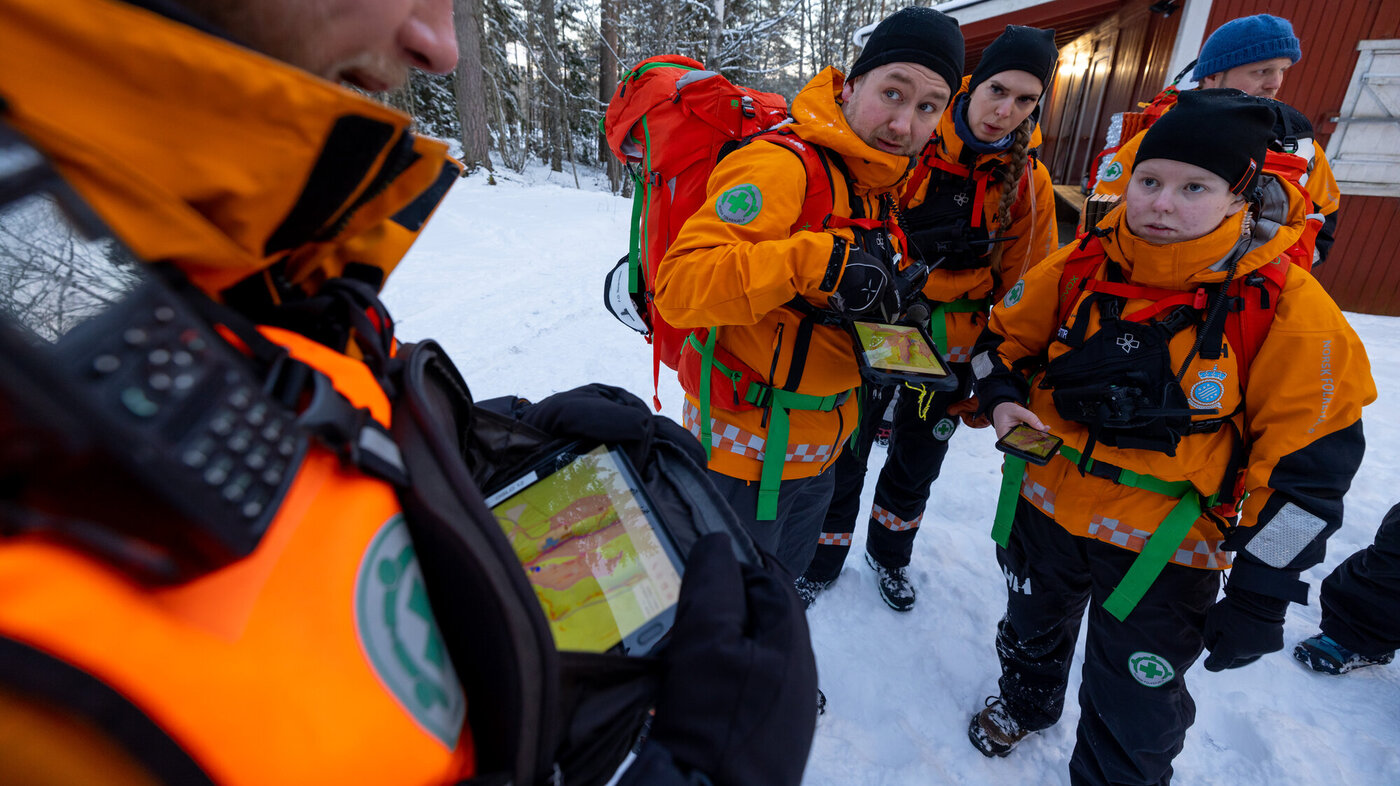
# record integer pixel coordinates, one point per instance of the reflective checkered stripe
(834, 539)
(892, 522)
(1116, 532)
(727, 436)
(1192, 552)
(959, 354)
(1202, 554)
(1038, 495)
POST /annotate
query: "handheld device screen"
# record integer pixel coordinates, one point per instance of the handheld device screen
(1030, 444)
(900, 353)
(605, 570)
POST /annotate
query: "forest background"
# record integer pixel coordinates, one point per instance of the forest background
(535, 76)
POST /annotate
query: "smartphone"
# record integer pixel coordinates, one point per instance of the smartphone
(603, 565)
(1030, 444)
(892, 354)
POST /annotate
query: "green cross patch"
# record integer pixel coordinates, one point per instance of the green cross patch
(943, 429)
(1151, 670)
(740, 204)
(1114, 171)
(401, 637)
(1013, 296)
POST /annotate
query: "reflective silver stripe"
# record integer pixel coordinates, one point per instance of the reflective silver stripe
(1285, 536)
(982, 365)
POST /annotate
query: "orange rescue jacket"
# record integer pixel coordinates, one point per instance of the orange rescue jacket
(1308, 381)
(741, 276)
(316, 659)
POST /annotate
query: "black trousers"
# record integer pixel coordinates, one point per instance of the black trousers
(1134, 705)
(918, 443)
(1361, 597)
(792, 536)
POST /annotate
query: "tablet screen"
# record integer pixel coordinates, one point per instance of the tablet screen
(898, 348)
(603, 568)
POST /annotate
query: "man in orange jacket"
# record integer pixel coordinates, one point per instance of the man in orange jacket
(744, 266)
(238, 553)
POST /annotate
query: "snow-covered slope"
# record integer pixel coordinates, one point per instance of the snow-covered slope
(509, 279)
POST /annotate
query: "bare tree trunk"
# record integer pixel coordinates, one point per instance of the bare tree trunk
(607, 84)
(716, 33)
(554, 85)
(471, 92)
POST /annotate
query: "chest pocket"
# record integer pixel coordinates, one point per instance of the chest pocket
(941, 230)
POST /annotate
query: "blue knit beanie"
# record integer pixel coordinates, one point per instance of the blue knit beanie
(1248, 39)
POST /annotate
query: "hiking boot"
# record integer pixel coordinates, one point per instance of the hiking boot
(809, 589)
(894, 585)
(1323, 654)
(993, 731)
(883, 432)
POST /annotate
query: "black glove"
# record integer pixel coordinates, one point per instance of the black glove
(738, 699)
(866, 288)
(1242, 627)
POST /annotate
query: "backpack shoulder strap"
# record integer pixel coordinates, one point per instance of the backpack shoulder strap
(1079, 269)
(819, 200)
(1247, 327)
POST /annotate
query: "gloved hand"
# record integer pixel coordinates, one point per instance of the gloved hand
(866, 288)
(738, 698)
(967, 410)
(1242, 627)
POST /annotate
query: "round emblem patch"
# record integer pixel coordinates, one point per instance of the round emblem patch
(944, 428)
(1113, 172)
(1151, 670)
(1206, 393)
(401, 637)
(1013, 295)
(740, 204)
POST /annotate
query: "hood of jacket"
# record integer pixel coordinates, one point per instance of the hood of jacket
(1207, 259)
(203, 153)
(817, 118)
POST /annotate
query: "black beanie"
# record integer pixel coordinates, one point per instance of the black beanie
(915, 35)
(1018, 48)
(1220, 130)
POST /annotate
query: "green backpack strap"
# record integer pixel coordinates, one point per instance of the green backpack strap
(1155, 554)
(938, 323)
(1012, 470)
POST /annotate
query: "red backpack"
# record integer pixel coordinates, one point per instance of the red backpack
(668, 121)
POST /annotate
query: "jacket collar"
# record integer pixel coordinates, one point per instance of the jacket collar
(206, 154)
(817, 118)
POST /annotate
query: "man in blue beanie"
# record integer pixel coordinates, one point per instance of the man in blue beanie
(1251, 54)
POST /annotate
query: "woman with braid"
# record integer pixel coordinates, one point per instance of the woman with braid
(979, 211)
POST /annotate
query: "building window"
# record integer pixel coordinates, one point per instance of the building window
(1365, 149)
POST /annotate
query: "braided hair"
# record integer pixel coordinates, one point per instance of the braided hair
(1010, 171)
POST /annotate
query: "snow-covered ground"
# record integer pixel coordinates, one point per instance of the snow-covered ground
(509, 279)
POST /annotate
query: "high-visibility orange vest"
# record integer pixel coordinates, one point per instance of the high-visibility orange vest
(314, 660)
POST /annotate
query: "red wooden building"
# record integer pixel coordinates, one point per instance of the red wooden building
(1116, 53)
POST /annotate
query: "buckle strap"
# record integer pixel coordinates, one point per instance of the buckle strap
(762, 395)
(1126, 477)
